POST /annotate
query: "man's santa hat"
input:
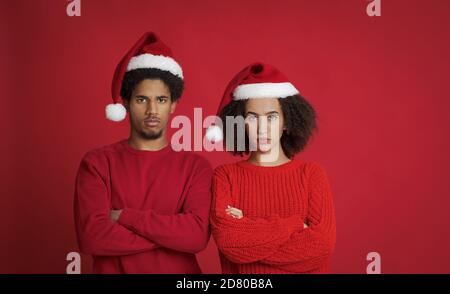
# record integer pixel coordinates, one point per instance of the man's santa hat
(256, 81)
(148, 52)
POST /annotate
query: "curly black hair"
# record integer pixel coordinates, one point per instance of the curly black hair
(134, 77)
(299, 122)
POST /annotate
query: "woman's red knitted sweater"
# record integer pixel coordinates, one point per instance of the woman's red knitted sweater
(276, 202)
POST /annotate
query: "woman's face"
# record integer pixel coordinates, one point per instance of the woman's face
(264, 123)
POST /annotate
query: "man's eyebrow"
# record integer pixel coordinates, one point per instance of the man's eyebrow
(146, 97)
(141, 96)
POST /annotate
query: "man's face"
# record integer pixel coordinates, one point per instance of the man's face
(149, 107)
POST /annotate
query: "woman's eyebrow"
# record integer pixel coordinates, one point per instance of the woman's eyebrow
(257, 114)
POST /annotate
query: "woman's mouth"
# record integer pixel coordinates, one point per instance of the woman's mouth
(263, 140)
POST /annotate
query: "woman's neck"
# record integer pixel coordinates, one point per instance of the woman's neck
(274, 157)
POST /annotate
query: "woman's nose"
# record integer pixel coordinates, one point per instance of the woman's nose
(262, 125)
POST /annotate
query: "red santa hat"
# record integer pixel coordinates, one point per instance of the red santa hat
(148, 52)
(256, 81)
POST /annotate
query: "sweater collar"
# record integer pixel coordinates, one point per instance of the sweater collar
(132, 150)
(292, 164)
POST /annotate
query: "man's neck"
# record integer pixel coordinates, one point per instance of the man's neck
(145, 144)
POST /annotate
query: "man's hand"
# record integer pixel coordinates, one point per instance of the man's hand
(234, 212)
(115, 214)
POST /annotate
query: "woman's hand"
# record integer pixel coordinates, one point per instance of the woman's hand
(234, 212)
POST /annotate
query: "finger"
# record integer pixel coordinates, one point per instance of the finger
(235, 211)
(236, 215)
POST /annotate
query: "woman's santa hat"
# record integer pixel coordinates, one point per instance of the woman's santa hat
(256, 81)
(148, 52)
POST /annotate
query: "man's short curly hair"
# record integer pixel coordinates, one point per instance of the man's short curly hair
(299, 122)
(134, 77)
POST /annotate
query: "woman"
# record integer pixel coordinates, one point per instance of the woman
(270, 213)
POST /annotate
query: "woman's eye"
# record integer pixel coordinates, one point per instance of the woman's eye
(251, 117)
(272, 117)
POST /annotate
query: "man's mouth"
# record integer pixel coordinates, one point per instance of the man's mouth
(151, 122)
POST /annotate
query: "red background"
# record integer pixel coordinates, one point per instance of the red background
(379, 84)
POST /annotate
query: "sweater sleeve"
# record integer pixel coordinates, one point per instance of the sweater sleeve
(97, 233)
(187, 231)
(309, 248)
(247, 239)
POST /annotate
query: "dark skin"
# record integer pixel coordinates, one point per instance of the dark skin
(149, 107)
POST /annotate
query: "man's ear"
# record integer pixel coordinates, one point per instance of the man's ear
(173, 107)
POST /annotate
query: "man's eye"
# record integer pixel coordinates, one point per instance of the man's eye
(162, 100)
(141, 100)
(251, 118)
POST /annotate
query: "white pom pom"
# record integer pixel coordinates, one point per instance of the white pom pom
(115, 112)
(214, 134)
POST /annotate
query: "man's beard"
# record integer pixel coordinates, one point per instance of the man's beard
(151, 135)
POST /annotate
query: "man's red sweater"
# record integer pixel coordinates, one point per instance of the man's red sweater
(276, 202)
(165, 197)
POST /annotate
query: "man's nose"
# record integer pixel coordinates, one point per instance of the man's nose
(152, 107)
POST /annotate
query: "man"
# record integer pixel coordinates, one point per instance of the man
(141, 207)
